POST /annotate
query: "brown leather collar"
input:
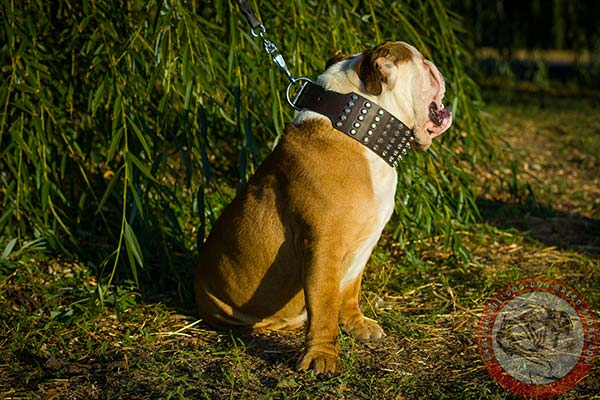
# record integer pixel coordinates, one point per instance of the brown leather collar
(359, 118)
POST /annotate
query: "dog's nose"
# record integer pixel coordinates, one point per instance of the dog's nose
(438, 114)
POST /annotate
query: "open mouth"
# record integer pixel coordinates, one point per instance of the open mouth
(437, 115)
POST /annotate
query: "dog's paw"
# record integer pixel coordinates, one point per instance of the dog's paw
(321, 363)
(364, 329)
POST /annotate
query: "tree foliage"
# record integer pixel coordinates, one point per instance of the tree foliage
(126, 126)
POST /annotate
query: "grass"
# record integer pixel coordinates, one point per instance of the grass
(58, 342)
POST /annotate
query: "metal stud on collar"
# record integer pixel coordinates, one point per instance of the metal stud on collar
(358, 117)
(375, 128)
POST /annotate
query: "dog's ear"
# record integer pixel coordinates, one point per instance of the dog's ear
(336, 59)
(378, 63)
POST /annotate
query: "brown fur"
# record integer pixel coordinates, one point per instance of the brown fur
(368, 67)
(337, 58)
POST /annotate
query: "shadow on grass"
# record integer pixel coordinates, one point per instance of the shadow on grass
(566, 231)
(273, 347)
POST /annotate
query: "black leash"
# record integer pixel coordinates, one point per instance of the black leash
(252, 20)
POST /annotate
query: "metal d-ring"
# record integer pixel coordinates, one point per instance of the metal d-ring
(287, 91)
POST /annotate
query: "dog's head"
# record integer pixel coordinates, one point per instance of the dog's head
(396, 76)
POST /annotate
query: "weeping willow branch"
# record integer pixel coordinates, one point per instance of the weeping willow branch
(128, 129)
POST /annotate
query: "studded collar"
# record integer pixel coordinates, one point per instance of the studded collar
(359, 118)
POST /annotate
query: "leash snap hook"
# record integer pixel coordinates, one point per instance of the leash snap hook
(278, 60)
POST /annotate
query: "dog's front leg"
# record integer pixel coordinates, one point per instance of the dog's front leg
(352, 319)
(321, 291)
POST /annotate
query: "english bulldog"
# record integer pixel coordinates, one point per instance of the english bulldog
(292, 246)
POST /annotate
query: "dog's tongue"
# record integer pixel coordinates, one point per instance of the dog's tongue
(438, 114)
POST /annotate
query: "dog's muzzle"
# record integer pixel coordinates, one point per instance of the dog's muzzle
(437, 115)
